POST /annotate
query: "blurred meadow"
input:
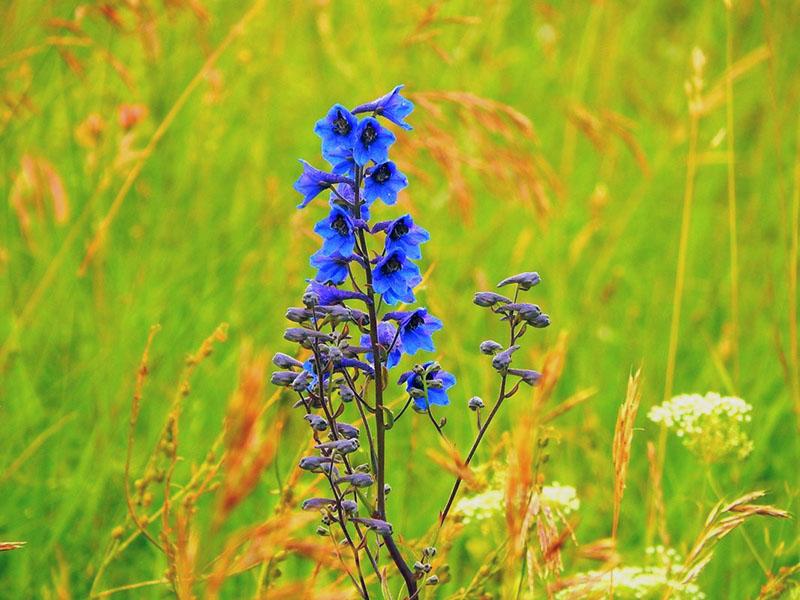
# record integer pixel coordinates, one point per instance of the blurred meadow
(644, 157)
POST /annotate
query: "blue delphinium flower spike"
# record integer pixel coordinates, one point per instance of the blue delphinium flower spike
(394, 276)
(313, 181)
(384, 181)
(389, 339)
(372, 142)
(338, 231)
(416, 328)
(392, 106)
(330, 268)
(436, 395)
(403, 234)
(337, 129)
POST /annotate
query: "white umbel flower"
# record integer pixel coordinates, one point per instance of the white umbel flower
(711, 426)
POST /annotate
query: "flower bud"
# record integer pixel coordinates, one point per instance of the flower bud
(317, 503)
(377, 525)
(432, 580)
(387, 489)
(317, 423)
(284, 361)
(541, 321)
(490, 347)
(475, 403)
(528, 376)
(300, 383)
(489, 299)
(347, 431)
(310, 298)
(525, 281)
(502, 360)
(357, 479)
(298, 315)
(346, 393)
(340, 446)
(283, 378)
(349, 507)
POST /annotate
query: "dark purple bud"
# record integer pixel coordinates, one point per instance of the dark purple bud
(317, 503)
(305, 337)
(298, 315)
(490, 347)
(284, 361)
(359, 317)
(357, 479)
(376, 525)
(525, 310)
(475, 403)
(528, 376)
(341, 446)
(300, 383)
(541, 321)
(347, 431)
(338, 313)
(503, 360)
(315, 464)
(387, 489)
(310, 298)
(487, 299)
(357, 364)
(346, 393)
(317, 423)
(525, 281)
(283, 378)
(354, 351)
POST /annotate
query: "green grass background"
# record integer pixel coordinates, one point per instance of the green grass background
(209, 233)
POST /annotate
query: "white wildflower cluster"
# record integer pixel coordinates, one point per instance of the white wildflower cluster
(480, 506)
(711, 426)
(648, 582)
(560, 498)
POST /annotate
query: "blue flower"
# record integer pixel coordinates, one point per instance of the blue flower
(436, 395)
(372, 142)
(394, 276)
(384, 182)
(313, 181)
(416, 328)
(328, 295)
(388, 338)
(345, 197)
(341, 160)
(330, 268)
(338, 231)
(392, 106)
(337, 129)
(403, 234)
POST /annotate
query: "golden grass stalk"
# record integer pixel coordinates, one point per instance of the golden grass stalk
(623, 436)
(724, 518)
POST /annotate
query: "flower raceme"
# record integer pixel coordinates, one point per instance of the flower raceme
(351, 341)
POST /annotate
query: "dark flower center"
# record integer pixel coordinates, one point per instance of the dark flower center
(414, 322)
(369, 134)
(392, 265)
(339, 225)
(399, 230)
(340, 125)
(382, 173)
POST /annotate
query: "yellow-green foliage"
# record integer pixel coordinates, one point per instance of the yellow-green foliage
(148, 152)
